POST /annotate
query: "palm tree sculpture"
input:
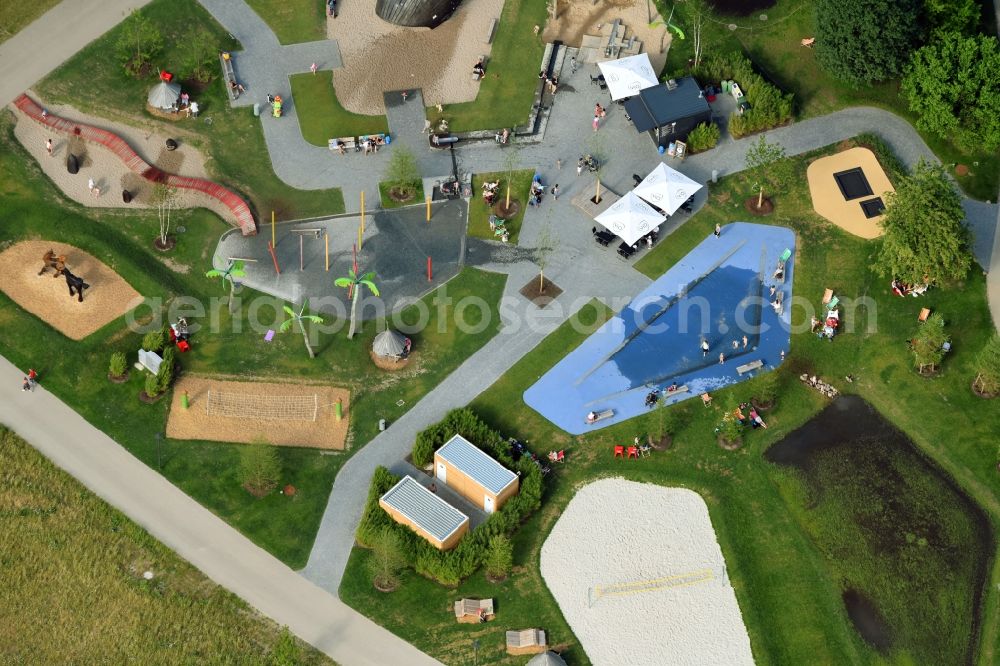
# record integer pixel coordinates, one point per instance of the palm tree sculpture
(354, 282)
(299, 317)
(233, 270)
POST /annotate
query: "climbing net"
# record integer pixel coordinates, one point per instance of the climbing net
(263, 407)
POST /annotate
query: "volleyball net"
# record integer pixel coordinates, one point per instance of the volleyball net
(262, 407)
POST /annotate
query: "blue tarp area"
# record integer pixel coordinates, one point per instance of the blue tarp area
(718, 293)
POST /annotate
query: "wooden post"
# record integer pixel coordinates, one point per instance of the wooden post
(340, 408)
(326, 237)
(428, 208)
(273, 243)
(429, 271)
(301, 253)
(359, 237)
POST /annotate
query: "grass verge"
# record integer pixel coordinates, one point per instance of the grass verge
(479, 212)
(74, 563)
(14, 16)
(389, 202)
(322, 117)
(293, 21)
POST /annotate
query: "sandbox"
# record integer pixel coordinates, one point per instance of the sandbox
(849, 190)
(108, 297)
(285, 414)
(639, 576)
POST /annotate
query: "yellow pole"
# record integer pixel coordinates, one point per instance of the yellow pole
(359, 239)
(362, 211)
(428, 208)
(326, 237)
(272, 229)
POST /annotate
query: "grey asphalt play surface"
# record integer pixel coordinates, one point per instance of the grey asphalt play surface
(395, 245)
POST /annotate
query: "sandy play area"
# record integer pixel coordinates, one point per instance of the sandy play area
(630, 540)
(829, 201)
(108, 297)
(577, 18)
(379, 56)
(244, 411)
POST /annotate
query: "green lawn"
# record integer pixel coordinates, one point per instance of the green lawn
(232, 139)
(322, 117)
(388, 202)
(778, 569)
(508, 91)
(16, 14)
(207, 471)
(293, 21)
(479, 212)
(775, 48)
(74, 592)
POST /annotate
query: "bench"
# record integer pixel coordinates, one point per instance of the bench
(474, 611)
(228, 74)
(374, 138)
(348, 142)
(526, 641)
(483, 59)
(493, 31)
(600, 416)
(752, 365)
(679, 389)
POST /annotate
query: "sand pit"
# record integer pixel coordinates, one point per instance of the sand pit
(108, 297)
(577, 18)
(294, 401)
(616, 531)
(379, 56)
(830, 202)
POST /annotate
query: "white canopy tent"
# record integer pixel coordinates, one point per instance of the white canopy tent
(627, 76)
(631, 218)
(666, 188)
(163, 95)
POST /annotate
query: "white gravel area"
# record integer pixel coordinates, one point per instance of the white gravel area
(380, 56)
(617, 531)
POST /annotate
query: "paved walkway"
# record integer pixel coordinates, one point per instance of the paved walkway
(196, 534)
(53, 38)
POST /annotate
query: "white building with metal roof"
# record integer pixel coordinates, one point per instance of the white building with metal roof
(474, 474)
(410, 504)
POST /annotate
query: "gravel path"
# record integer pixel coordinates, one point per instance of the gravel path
(642, 532)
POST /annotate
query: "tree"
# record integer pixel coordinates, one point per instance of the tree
(765, 389)
(730, 430)
(542, 255)
(698, 11)
(767, 165)
(139, 42)
(260, 467)
(153, 340)
(386, 559)
(299, 317)
(864, 41)
(987, 366)
(234, 269)
(164, 199)
(952, 85)
(402, 173)
(959, 16)
(165, 375)
(499, 557)
(353, 282)
(201, 55)
(595, 143)
(669, 421)
(923, 237)
(511, 160)
(151, 385)
(928, 343)
(286, 650)
(116, 368)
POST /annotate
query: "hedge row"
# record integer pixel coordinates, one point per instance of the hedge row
(769, 107)
(703, 137)
(451, 567)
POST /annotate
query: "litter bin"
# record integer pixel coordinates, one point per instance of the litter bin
(381, 425)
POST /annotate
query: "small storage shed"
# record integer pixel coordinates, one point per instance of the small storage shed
(670, 110)
(473, 474)
(425, 513)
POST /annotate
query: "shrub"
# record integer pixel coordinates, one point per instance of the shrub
(703, 137)
(260, 467)
(116, 368)
(165, 376)
(458, 421)
(987, 368)
(139, 42)
(765, 387)
(152, 386)
(153, 341)
(386, 560)
(730, 429)
(499, 557)
(201, 56)
(769, 107)
(928, 343)
(402, 171)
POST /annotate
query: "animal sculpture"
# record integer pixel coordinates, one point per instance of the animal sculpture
(76, 285)
(56, 262)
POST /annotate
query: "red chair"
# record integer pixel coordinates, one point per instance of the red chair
(619, 452)
(183, 346)
(561, 457)
(633, 452)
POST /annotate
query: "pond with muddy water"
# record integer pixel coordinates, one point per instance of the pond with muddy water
(907, 547)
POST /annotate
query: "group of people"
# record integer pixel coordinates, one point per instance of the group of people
(900, 288)
(490, 189)
(827, 327)
(503, 136)
(479, 69)
(754, 418)
(237, 88)
(29, 382)
(538, 191)
(551, 82)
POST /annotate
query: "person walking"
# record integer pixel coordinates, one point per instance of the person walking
(579, 166)
(32, 378)
(745, 341)
(704, 348)
(25, 385)
(555, 192)
(597, 121)
(722, 358)
(736, 345)
(313, 68)
(48, 147)
(718, 230)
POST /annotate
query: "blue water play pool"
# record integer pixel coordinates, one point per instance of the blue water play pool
(717, 294)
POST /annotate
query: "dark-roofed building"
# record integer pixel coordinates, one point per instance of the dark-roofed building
(669, 111)
(473, 474)
(425, 513)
